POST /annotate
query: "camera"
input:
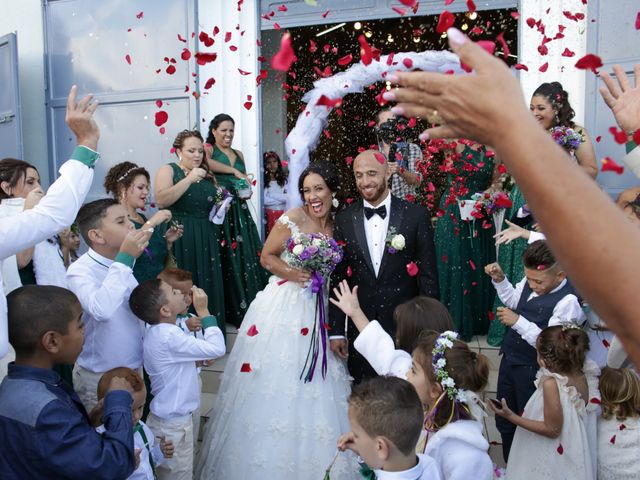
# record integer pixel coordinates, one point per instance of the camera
(394, 130)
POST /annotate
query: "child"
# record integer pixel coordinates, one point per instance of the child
(552, 435)
(44, 429)
(543, 298)
(103, 279)
(447, 374)
(376, 345)
(151, 454)
(386, 418)
(619, 425)
(191, 324)
(169, 359)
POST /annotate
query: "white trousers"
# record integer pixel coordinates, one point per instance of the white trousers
(180, 432)
(85, 383)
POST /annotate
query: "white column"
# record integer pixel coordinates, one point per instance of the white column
(561, 69)
(231, 88)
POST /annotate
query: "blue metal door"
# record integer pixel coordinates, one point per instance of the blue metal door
(10, 125)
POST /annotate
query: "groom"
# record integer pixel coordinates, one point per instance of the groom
(386, 271)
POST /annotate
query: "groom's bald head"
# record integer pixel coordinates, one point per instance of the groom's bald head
(372, 175)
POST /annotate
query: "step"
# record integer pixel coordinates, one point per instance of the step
(231, 336)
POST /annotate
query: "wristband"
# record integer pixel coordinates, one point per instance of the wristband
(85, 155)
(209, 321)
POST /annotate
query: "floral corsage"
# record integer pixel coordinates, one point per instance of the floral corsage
(394, 241)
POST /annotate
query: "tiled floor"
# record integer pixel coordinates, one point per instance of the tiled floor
(211, 382)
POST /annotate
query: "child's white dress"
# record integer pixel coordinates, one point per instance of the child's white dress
(618, 447)
(573, 454)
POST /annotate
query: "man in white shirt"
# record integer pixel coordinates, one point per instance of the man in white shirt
(388, 253)
(170, 359)
(59, 206)
(102, 279)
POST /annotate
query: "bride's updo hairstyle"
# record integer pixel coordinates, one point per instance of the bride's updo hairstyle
(558, 97)
(328, 173)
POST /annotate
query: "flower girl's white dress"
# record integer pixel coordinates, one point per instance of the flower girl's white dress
(573, 454)
(267, 423)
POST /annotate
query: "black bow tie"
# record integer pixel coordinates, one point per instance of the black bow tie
(380, 211)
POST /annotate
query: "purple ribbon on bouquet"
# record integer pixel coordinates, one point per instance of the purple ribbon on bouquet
(319, 333)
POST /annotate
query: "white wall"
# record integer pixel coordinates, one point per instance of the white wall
(26, 18)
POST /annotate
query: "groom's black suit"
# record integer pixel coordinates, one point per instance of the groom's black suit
(379, 295)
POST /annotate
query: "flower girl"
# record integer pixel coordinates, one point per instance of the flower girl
(555, 437)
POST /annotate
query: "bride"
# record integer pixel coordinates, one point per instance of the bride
(267, 423)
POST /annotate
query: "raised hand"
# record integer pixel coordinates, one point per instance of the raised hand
(511, 233)
(346, 299)
(79, 117)
(200, 302)
(346, 441)
(622, 98)
(136, 241)
(196, 174)
(495, 272)
(161, 216)
(33, 198)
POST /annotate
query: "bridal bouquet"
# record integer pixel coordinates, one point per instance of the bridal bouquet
(567, 138)
(490, 202)
(318, 254)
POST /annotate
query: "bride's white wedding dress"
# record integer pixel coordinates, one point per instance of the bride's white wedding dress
(268, 424)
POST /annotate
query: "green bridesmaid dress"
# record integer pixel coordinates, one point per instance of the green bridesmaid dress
(198, 250)
(464, 247)
(510, 259)
(243, 275)
(152, 261)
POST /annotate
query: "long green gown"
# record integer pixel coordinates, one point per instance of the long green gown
(198, 250)
(152, 261)
(510, 259)
(243, 275)
(463, 247)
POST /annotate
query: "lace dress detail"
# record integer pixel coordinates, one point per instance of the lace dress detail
(267, 423)
(573, 454)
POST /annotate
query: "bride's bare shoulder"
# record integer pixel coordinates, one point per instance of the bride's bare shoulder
(296, 215)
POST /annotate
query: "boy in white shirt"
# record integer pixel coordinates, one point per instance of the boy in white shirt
(102, 279)
(151, 453)
(170, 359)
(386, 416)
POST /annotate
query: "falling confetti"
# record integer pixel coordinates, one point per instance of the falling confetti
(253, 331)
(282, 60)
(161, 118)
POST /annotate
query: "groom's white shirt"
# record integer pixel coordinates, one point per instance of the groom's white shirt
(375, 229)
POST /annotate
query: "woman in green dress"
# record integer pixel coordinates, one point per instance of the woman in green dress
(189, 191)
(550, 105)
(129, 184)
(243, 275)
(464, 247)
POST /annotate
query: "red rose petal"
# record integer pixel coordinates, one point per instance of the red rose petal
(253, 331)
(560, 450)
(127, 57)
(243, 72)
(366, 54)
(589, 61)
(491, 316)
(610, 165)
(186, 54)
(410, 3)
(285, 57)
(234, 245)
(503, 44)
(248, 105)
(162, 130)
(182, 39)
(209, 83)
(612, 440)
(380, 157)
(638, 21)
(304, 331)
(161, 118)
(227, 37)
(605, 343)
(636, 137)
(544, 67)
(282, 8)
(159, 103)
(412, 269)
(618, 135)
(140, 15)
(325, 101)
(568, 53)
(324, 15)
(245, 368)
(399, 11)
(595, 401)
(472, 265)
(346, 60)
(487, 46)
(622, 426)
(521, 66)
(202, 58)
(445, 21)
(407, 62)
(471, 6)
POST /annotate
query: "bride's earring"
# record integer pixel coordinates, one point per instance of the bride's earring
(335, 202)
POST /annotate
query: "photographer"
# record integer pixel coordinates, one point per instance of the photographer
(393, 140)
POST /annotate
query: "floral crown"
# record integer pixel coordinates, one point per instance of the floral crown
(439, 363)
